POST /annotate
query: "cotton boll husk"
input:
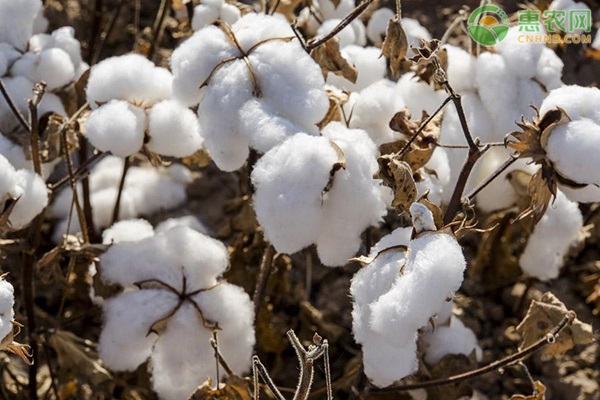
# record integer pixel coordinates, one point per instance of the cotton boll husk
(521, 58)
(377, 26)
(8, 55)
(8, 179)
(53, 66)
(374, 107)
(174, 129)
(435, 265)
(419, 96)
(33, 198)
(132, 78)
(369, 64)
(289, 180)
(189, 220)
(453, 339)
(573, 148)
(354, 202)
(124, 343)
(131, 230)
(7, 314)
(16, 21)
(549, 69)
(461, 69)
(559, 229)
(414, 31)
(579, 102)
(118, 127)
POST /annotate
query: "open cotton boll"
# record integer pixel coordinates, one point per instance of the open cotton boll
(521, 58)
(118, 127)
(556, 232)
(53, 66)
(453, 339)
(354, 202)
(419, 96)
(189, 220)
(326, 9)
(414, 31)
(16, 21)
(377, 25)
(131, 230)
(174, 129)
(369, 64)
(549, 69)
(7, 302)
(211, 10)
(289, 180)
(578, 102)
(8, 55)
(32, 193)
(373, 109)
(16, 156)
(132, 78)
(461, 69)
(354, 33)
(8, 179)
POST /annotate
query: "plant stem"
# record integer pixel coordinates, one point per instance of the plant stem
(506, 361)
(79, 171)
(491, 178)
(115, 215)
(13, 107)
(399, 9)
(38, 93)
(95, 31)
(266, 266)
(157, 30)
(106, 33)
(85, 188)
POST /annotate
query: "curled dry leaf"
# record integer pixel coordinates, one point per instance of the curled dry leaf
(366, 260)
(542, 317)
(398, 175)
(330, 59)
(335, 112)
(436, 211)
(395, 45)
(8, 343)
(338, 165)
(234, 388)
(538, 394)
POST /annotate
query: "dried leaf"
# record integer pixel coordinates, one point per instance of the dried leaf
(398, 175)
(540, 191)
(542, 317)
(199, 159)
(336, 102)
(338, 165)
(330, 59)
(539, 394)
(438, 215)
(234, 388)
(395, 45)
(365, 260)
(426, 51)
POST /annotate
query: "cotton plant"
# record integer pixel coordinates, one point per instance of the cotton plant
(27, 189)
(17, 21)
(377, 26)
(370, 68)
(173, 300)
(353, 34)
(209, 11)
(326, 10)
(323, 187)
(132, 107)
(403, 284)
(254, 85)
(9, 328)
(146, 191)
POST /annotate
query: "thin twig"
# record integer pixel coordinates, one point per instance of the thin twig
(81, 171)
(491, 178)
(13, 107)
(85, 188)
(115, 214)
(399, 9)
(107, 32)
(266, 266)
(157, 30)
(38, 93)
(549, 338)
(314, 43)
(464, 146)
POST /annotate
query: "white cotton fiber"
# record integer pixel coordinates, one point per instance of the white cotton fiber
(117, 127)
(453, 339)
(377, 26)
(461, 69)
(53, 66)
(8, 179)
(419, 96)
(16, 21)
(7, 314)
(549, 69)
(414, 31)
(210, 10)
(568, 6)
(369, 64)
(130, 230)
(559, 229)
(188, 220)
(521, 58)
(132, 78)
(436, 176)
(578, 101)
(353, 33)
(32, 192)
(8, 55)
(174, 129)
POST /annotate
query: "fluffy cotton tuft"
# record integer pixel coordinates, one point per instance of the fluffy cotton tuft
(174, 129)
(7, 302)
(559, 229)
(369, 64)
(16, 21)
(210, 10)
(453, 339)
(180, 351)
(32, 194)
(131, 230)
(377, 25)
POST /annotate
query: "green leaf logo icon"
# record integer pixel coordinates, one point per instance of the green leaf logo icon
(488, 25)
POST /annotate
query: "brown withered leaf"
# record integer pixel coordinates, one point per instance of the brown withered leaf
(591, 286)
(336, 102)
(426, 51)
(436, 211)
(199, 159)
(234, 388)
(539, 394)
(366, 260)
(330, 59)
(338, 165)
(540, 190)
(395, 45)
(398, 175)
(542, 317)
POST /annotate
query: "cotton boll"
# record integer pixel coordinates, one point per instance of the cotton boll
(557, 231)
(174, 129)
(374, 107)
(573, 148)
(419, 96)
(189, 220)
(369, 64)
(578, 102)
(209, 11)
(414, 31)
(117, 127)
(385, 364)
(17, 18)
(377, 26)
(353, 33)
(521, 58)
(549, 69)
(289, 180)
(132, 78)
(453, 339)
(152, 191)
(103, 203)
(124, 342)
(7, 302)
(127, 231)
(32, 195)
(461, 69)
(8, 55)
(8, 179)
(53, 66)
(422, 218)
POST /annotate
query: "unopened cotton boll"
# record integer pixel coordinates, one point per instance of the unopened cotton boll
(369, 64)
(377, 26)
(174, 129)
(117, 127)
(16, 21)
(7, 302)
(453, 339)
(32, 194)
(131, 78)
